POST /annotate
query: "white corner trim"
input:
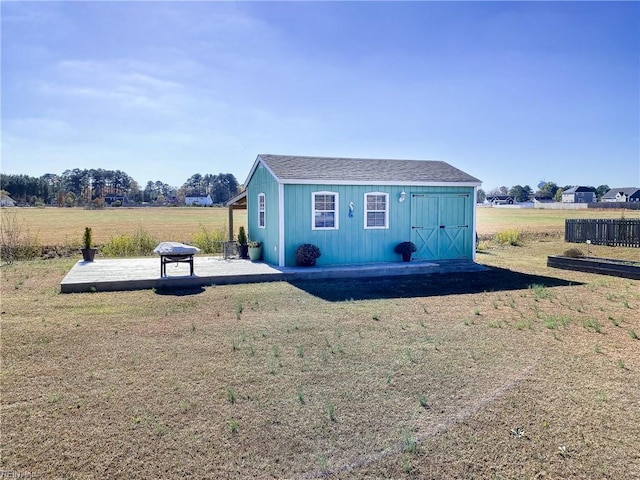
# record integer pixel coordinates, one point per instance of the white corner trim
(281, 238)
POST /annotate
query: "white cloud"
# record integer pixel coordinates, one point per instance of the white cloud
(122, 83)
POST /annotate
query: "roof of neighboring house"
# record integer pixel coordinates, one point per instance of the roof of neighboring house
(499, 197)
(300, 169)
(624, 190)
(6, 198)
(577, 189)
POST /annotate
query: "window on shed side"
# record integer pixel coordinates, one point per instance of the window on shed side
(325, 211)
(261, 210)
(376, 210)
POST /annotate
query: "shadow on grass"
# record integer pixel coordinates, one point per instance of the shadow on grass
(179, 291)
(411, 286)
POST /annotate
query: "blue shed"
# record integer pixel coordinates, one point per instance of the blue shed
(356, 210)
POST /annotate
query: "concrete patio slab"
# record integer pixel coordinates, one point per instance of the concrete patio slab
(144, 273)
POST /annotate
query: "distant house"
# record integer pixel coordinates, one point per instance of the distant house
(7, 201)
(357, 210)
(198, 201)
(579, 195)
(500, 200)
(625, 194)
(109, 200)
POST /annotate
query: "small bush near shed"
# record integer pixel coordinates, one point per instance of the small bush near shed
(573, 253)
(508, 237)
(306, 255)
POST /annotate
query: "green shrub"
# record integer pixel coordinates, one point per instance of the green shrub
(209, 241)
(242, 236)
(508, 237)
(87, 239)
(306, 255)
(139, 244)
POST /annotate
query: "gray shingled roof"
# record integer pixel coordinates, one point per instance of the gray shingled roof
(578, 188)
(331, 169)
(628, 191)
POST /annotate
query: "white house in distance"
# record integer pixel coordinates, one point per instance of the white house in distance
(579, 194)
(198, 201)
(500, 200)
(7, 201)
(625, 194)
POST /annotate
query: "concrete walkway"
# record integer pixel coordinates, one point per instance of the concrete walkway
(144, 273)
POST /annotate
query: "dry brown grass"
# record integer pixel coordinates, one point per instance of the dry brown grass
(493, 375)
(539, 221)
(64, 226)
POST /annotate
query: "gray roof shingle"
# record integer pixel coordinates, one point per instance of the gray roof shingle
(628, 191)
(332, 169)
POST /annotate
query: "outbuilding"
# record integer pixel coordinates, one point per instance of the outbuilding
(357, 210)
(7, 201)
(198, 201)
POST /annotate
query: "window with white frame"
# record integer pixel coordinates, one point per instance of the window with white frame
(325, 211)
(261, 211)
(376, 210)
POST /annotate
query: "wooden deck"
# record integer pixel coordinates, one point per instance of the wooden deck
(144, 273)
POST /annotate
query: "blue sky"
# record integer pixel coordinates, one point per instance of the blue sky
(510, 92)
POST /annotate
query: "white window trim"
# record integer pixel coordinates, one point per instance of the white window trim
(313, 210)
(386, 212)
(263, 210)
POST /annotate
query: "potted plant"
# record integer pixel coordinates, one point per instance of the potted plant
(255, 251)
(88, 253)
(243, 248)
(306, 255)
(405, 249)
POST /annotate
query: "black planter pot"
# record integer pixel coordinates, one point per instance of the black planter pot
(243, 251)
(88, 254)
(406, 257)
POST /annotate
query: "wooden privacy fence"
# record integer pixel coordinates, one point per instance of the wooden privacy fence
(611, 232)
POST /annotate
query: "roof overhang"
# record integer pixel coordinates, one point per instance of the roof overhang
(293, 181)
(255, 166)
(239, 202)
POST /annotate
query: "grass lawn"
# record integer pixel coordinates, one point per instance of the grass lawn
(535, 220)
(521, 372)
(65, 226)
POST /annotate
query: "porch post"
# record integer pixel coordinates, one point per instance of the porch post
(230, 223)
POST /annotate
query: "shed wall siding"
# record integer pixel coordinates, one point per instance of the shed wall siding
(352, 243)
(263, 182)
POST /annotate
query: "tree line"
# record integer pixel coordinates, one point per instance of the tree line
(95, 187)
(545, 191)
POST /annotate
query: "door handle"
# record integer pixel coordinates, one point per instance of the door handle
(441, 226)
